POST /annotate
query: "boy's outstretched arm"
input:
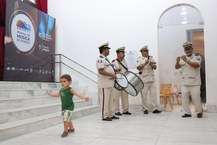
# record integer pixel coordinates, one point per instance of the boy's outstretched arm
(53, 94)
(86, 98)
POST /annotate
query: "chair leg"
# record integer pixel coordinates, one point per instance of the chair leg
(177, 97)
(165, 103)
(171, 103)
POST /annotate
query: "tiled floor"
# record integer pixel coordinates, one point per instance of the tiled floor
(167, 128)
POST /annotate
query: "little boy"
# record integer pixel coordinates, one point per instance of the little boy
(66, 94)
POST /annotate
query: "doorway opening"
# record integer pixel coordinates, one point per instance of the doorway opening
(178, 24)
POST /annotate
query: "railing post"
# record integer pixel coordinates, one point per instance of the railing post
(60, 66)
(52, 67)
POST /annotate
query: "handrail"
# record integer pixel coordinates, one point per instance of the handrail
(61, 62)
(77, 71)
(77, 63)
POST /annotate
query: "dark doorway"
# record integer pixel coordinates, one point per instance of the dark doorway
(197, 37)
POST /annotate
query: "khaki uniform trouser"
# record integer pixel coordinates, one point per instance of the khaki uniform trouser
(107, 102)
(149, 90)
(194, 91)
(124, 100)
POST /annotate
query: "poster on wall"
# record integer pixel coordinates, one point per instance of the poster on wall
(131, 57)
(29, 43)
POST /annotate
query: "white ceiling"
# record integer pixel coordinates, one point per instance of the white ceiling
(181, 15)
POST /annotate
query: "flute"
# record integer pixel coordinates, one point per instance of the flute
(183, 56)
(149, 62)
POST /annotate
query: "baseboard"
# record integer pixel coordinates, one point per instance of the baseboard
(211, 108)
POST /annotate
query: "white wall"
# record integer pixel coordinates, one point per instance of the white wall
(82, 25)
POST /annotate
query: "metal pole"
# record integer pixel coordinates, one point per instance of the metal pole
(60, 68)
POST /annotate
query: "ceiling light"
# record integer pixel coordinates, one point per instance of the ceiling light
(184, 22)
(183, 8)
(183, 13)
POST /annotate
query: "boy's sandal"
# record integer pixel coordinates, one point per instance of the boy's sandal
(64, 134)
(71, 130)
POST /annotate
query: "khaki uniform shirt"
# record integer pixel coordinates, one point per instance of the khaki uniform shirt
(104, 81)
(191, 75)
(118, 65)
(147, 72)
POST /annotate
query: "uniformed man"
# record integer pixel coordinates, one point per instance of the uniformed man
(120, 66)
(106, 83)
(190, 64)
(146, 66)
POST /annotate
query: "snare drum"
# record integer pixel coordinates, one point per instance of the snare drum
(121, 82)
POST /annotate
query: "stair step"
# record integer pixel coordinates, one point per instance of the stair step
(20, 93)
(75, 85)
(50, 85)
(5, 85)
(7, 103)
(13, 129)
(18, 85)
(14, 114)
(26, 101)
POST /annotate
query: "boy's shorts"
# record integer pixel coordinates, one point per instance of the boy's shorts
(67, 115)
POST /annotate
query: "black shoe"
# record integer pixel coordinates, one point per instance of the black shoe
(114, 117)
(186, 115)
(200, 115)
(118, 113)
(127, 113)
(107, 119)
(156, 111)
(146, 112)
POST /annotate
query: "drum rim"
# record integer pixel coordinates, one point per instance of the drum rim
(122, 88)
(137, 76)
(137, 92)
(133, 88)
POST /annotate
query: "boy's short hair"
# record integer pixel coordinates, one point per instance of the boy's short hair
(66, 76)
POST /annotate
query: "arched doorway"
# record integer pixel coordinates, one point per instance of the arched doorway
(178, 24)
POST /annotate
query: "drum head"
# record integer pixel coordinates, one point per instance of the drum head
(121, 80)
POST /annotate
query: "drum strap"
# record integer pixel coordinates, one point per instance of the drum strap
(109, 63)
(122, 65)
